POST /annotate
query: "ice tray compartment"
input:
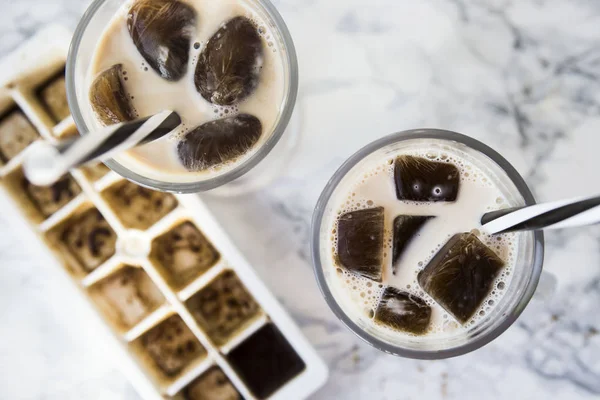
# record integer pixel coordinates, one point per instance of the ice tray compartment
(223, 308)
(182, 254)
(126, 297)
(84, 240)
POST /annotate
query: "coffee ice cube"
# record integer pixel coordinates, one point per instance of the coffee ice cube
(128, 296)
(183, 254)
(403, 311)
(461, 275)
(50, 199)
(162, 32)
(109, 98)
(88, 238)
(16, 133)
(360, 242)
(212, 385)
(406, 227)
(266, 361)
(138, 207)
(218, 142)
(420, 179)
(53, 97)
(172, 346)
(229, 66)
(223, 307)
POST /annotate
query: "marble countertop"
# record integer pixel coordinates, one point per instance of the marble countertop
(522, 76)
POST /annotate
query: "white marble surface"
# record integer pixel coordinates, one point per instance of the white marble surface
(521, 75)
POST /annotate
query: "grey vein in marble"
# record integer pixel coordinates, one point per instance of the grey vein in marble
(523, 76)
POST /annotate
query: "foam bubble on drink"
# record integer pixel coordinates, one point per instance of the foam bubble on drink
(373, 186)
(159, 160)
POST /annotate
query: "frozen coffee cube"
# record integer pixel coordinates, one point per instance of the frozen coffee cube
(16, 133)
(229, 67)
(88, 238)
(223, 307)
(218, 142)
(128, 296)
(50, 199)
(360, 242)
(266, 361)
(212, 385)
(461, 275)
(183, 254)
(136, 206)
(403, 311)
(53, 97)
(406, 227)
(172, 346)
(109, 98)
(162, 31)
(419, 179)
(95, 172)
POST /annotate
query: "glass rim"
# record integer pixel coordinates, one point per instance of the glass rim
(289, 102)
(427, 133)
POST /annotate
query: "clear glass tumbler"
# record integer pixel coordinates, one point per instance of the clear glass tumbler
(84, 43)
(526, 272)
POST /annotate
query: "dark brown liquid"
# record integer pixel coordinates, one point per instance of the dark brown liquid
(266, 361)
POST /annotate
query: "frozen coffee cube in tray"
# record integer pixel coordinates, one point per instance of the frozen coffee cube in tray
(40, 202)
(169, 348)
(127, 296)
(461, 275)
(50, 199)
(265, 361)
(84, 239)
(138, 207)
(182, 254)
(223, 307)
(16, 133)
(53, 97)
(211, 385)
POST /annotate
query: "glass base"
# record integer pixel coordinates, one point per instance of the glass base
(269, 169)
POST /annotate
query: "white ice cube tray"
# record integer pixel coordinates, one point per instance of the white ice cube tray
(21, 74)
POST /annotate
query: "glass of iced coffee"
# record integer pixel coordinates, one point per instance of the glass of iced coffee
(399, 253)
(227, 67)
